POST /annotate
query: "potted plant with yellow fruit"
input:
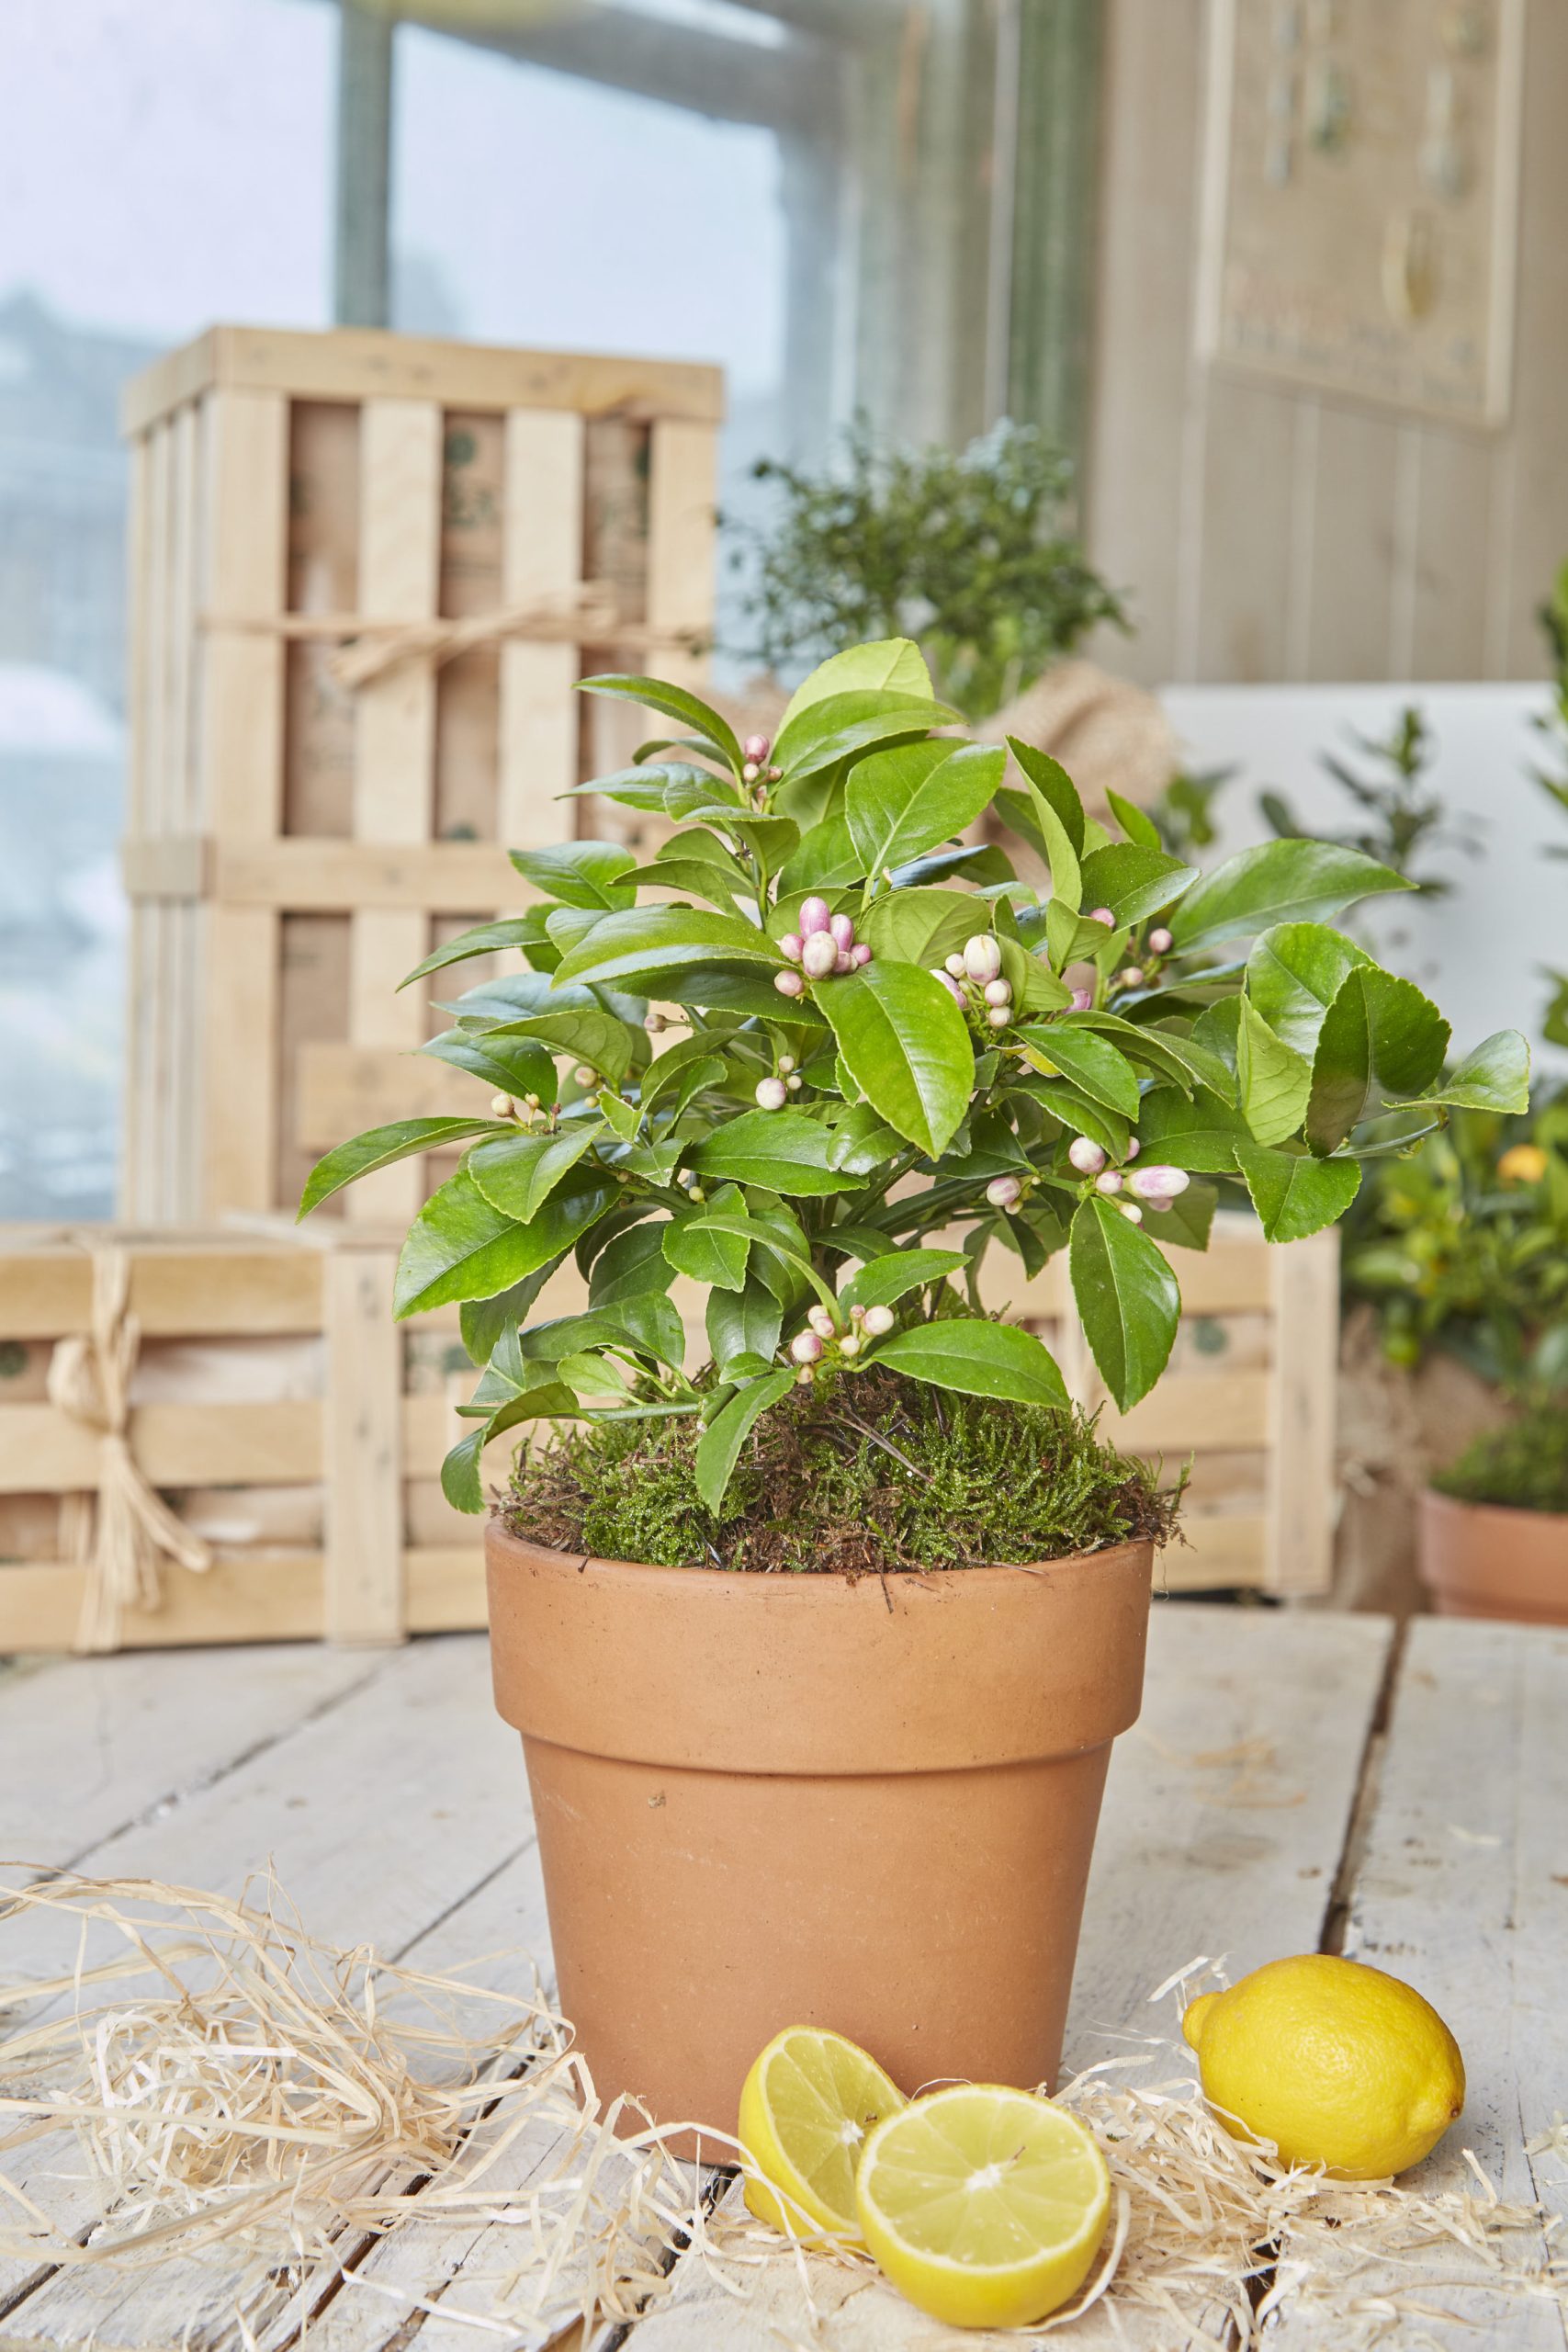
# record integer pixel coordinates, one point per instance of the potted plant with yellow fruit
(818, 1650)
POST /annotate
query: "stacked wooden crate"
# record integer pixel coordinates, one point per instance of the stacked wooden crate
(367, 571)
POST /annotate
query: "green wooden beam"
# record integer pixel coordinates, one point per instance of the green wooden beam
(1050, 312)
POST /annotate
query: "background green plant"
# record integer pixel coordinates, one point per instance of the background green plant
(1523, 1467)
(1554, 781)
(1400, 818)
(974, 554)
(832, 1155)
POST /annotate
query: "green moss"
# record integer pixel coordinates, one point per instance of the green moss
(1523, 1465)
(877, 1474)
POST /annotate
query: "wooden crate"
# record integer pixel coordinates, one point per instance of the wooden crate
(304, 824)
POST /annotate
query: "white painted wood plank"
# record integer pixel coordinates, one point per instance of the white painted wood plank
(89, 1745)
(1462, 1890)
(1235, 1856)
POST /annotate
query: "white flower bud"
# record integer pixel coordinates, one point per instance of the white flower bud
(819, 955)
(1130, 977)
(820, 1319)
(1159, 941)
(697, 1195)
(957, 966)
(879, 1322)
(1160, 1184)
(802, 1378)
(982, 957)
(656, 1024)
(770, 1093)
(806, 1347)
(530, 1101)
(850, 1345)
(814, 915)
(502, 1106)
(795, 1083)
(1131, 1211)
(584, 1076)
(1110, 1182)
(951, 985)
(999, 1016)
(1133, 1146)
(749, 773)
(1086, 1156)
(1101, 914)
(842, 931)
(1003, 1191)
(857, 1315)
(786, 1063)
(999, 992)
(791, 945)
(789, 984)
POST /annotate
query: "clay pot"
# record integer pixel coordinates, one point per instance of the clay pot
(766, 1801)
(1486, 1560)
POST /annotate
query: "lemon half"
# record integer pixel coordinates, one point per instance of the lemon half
(805, 2109)
(1334, 2062)
(985, 2206)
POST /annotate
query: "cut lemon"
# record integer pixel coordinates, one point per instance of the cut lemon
(807, 2107)
(985, 2206)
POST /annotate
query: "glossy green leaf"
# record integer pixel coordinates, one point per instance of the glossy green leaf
(1035, 987)
(1058, 843)
(860, 1140)
(482, 1320)
(907, 1045)
(1495, 1077)
(845, 726)
(1127, 1297)
(921, 926)
(825, 859)
(1186, 1222)
(894, 664)
(976, 1359)
(643, 786)
(594, 1036)
(1293, 975)
(718, 1448)
(518, 1066)
(1294, 1195)
(1381, 1038)
(460, 1247)
(380, 1146)
(743, 1323)
(653, 943)
(980, 863)
(671, 702)
(1201, 1132)
(1133, 881)
(786, 1151)
(632, 1266)
(517, 1174)
(888, 1279)
(461, 1479)
(1051, 781)
(711, 1244)
(1136, 823)
(484, 939)
(1274, 1080)
(1277, 882)
(667, 1068)
(580, 874)
(1093, 1063)
(903, 802)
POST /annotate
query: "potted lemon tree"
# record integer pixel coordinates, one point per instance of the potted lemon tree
(817, 1647)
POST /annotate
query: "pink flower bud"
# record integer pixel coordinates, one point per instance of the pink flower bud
(791, 945)
(951, 985)
(957, 966)
(1086, 1156)
(1133, 1146)
(1131, 1211)
(1003, 1191)
(1130, 977)
(859, 955)
(1110, 1183)
(806, 1347)
(1101, 914)
(771, 1092)
(982, 957)
(815, 916)
(789, 984)
(998, 1015)
(1158, 1184)
(999, 992)
(756, 748)
(821, 1321)
(1158, 942)
(842, 930)
(1082, 1000)
(879, 1322)
(818, 955)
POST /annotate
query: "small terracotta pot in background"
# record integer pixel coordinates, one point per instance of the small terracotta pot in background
(766, 1801)
(1487, 1560)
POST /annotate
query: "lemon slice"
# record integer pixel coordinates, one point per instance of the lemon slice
(985, 2206)
(805, 2108)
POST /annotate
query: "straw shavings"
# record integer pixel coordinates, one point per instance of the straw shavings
(279, 2110)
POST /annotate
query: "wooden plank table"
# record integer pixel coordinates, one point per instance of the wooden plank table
(1294, 1782)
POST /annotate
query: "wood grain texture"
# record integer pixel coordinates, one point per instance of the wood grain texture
(542, 556)
(1301, 1428)
(362, 1441)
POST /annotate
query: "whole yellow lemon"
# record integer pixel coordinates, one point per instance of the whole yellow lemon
(1335, 2063)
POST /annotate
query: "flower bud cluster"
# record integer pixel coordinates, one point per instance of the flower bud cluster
(824, 946)
(825, 1336)
(1157, 1184)
(973, 980)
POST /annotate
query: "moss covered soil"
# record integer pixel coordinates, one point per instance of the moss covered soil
(1523, 1465)
(864, 1477)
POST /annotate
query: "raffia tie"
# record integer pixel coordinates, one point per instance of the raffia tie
(122, 1534)
(370, 648)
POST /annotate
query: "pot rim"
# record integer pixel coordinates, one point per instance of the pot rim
(776, 1580)
(1522, 1512)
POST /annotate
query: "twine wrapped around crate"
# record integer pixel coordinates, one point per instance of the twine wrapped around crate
(370, 648)
(122, 1533)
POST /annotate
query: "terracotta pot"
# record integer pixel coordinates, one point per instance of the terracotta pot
(771, 1800)
(1486, 1560)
